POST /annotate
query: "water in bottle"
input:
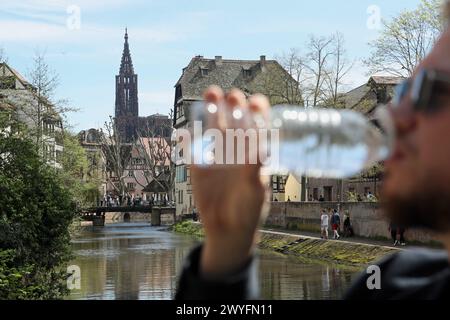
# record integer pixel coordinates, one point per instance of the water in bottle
(313, 142)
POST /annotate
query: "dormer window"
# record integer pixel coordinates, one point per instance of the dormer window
(7, 82)
(204, 71)
(247, 73)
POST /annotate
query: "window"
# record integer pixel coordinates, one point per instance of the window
(316, 193)
(131, 186)
(278, 184)
(131, 173)
(188, 175)
(180, 174)
(180, 111)
(58, 156)
(328, 193)
(381, 95)
(180, 196)
(49, 151)
(137, 161)
(204, 72)
(247, 73)
(7, 83)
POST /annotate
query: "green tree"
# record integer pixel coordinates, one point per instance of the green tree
(35, 214)
(84, 188)
(406, 39)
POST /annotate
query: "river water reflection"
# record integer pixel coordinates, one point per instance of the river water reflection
(137, 261)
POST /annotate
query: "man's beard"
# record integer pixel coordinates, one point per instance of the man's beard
(429, 208)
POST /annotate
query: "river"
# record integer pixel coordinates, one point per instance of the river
(137, 261)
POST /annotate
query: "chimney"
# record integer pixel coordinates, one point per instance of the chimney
(262, 60)
(218, 60)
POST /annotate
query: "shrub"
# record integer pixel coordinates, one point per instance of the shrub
(35, 214)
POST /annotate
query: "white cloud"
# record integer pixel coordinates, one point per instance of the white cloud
(59, 6)
(19, 31)
(41, 32)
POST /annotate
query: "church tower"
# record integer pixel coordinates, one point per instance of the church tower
(127, 107)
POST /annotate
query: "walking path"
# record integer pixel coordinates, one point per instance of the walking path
(352, 240)
(313, 235)
(355, 239)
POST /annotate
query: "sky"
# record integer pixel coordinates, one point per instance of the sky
(83, 41)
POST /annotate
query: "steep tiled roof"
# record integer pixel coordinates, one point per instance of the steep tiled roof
(18, 75)
(354, 96)
(386, 80)
(201, 73)
(364, 97)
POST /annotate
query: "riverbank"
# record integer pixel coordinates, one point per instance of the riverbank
(336, 251)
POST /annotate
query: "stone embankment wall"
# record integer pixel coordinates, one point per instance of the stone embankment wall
(366, 218)
(339, 252)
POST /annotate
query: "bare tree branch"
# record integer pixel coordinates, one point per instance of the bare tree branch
(319, 53)
(338, 69)
(117, 156)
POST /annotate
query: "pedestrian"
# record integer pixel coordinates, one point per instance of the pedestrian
(335, 224)
(289, 199)
(348, 229)
(394, 230)
(330, 212)
(324, 224)
(194, 214)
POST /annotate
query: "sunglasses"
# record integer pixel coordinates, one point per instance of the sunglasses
(429, 91)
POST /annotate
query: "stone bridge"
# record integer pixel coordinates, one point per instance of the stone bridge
(98, 215)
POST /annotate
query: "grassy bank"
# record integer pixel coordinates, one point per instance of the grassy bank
(339, 252)
(187, 227)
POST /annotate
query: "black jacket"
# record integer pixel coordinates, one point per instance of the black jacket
(409, 274)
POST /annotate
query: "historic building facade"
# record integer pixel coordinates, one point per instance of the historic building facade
(91, 141)
(251, 76)
(34, 111)
(365, 98)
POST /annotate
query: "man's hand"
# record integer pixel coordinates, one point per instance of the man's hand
(230, 198)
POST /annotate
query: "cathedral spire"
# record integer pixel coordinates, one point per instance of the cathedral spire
(126, 65)
(127, 106)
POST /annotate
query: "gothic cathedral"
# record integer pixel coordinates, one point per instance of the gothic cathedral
(127, 107)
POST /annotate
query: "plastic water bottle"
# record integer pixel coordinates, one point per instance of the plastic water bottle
(312, 142)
